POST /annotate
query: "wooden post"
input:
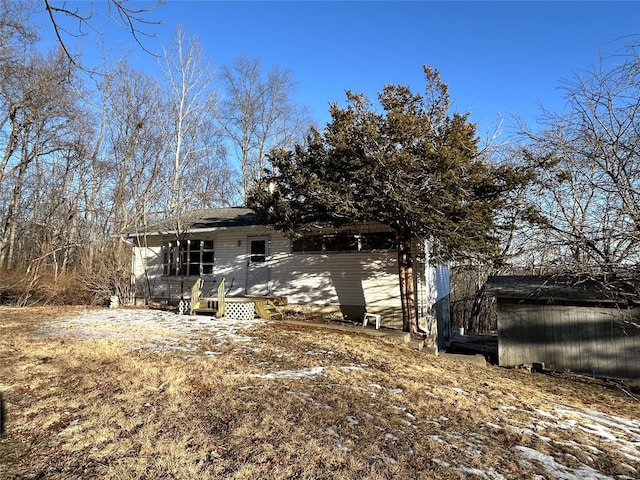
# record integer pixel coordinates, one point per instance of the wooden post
(221, 302)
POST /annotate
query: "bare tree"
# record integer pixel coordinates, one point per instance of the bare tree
(134, 147)
(587, 199)
(591, 198)
(258, 113)
(40, 102)
(15, 32)
(189, 125)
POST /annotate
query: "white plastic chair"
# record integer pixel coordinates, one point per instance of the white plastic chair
(374, 316)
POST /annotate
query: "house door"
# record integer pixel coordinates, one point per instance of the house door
(258, 266)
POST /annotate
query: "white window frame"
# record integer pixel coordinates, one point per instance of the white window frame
(189, 258)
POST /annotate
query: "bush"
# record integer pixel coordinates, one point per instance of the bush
(24, 289)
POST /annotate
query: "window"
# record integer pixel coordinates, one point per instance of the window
(188, 258)
(258, 252)
(382, 241)
(340, 243)
(311, 243)
(365, 242)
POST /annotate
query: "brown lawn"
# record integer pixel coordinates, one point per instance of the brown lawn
(141, 394)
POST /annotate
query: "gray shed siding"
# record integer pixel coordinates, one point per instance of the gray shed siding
(588, 339)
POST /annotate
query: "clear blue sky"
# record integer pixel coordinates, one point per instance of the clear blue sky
(497, 57)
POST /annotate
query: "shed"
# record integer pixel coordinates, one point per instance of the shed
(566, 323)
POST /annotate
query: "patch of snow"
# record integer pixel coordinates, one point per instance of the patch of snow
(624, 433)
(319, 352)
(557, 470)
(491, 425)
(390, 460)
(339, 440)
(154, 330)
(352, 420)
(488, 474)
(459, 390)
(292, 374)
(410, 416)
(544, 413)
(528, 431)
(598, 430)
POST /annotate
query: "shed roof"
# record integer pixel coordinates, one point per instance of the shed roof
(565, 288)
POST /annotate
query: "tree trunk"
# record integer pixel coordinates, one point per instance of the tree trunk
(8, 234)
(407, 289)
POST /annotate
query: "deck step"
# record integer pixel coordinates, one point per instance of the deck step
(205, 310)
(204, 306)
(267, 310)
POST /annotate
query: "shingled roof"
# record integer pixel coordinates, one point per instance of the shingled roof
(209, 218)
(561, 288)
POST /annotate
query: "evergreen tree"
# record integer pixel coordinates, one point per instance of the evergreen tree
(413, 167)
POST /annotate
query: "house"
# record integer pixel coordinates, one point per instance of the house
(566, 324)
(346, 271)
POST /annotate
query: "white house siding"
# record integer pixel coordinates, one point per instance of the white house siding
(432, 296)
(339, 279)
(231, 258)
(147, 260)
(363, 280)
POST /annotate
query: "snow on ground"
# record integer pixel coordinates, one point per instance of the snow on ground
(155, 330)
(161, 331)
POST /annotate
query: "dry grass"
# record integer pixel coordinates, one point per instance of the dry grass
(350, 407)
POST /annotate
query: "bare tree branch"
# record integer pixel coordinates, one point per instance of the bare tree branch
(119, 13)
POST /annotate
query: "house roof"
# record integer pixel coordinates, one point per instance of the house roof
(205, 219)
(222, 218)
(562, 288)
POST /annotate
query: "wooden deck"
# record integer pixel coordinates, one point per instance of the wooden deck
(265, 308)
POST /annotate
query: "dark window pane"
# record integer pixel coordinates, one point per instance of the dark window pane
(378, 241)
(207, 257)
(193, 269)
(341, 243)
(258, 250)
(207, 269)
(308, 244)
(208, 244)
(258, 247)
